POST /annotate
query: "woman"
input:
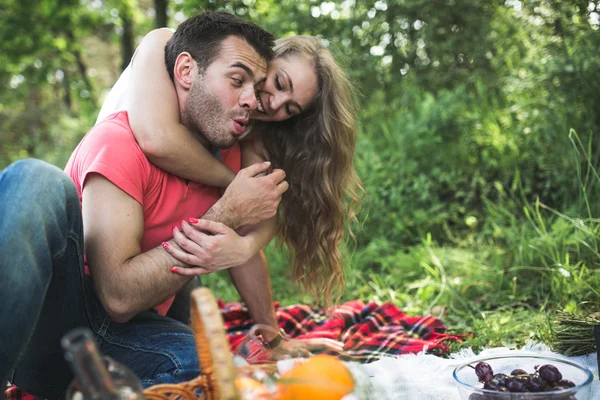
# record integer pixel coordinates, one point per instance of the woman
(305, 124)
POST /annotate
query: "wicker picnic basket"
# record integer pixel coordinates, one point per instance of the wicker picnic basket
(217, 378)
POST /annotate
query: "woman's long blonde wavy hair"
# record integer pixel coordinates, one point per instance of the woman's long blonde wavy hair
(316, 150)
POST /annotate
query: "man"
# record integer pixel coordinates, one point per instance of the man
(128, 208)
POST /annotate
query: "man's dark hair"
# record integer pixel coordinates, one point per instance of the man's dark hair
(201, 36)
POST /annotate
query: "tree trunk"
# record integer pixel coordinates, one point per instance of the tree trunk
(67, 90)
(127, 41)
(160, 7)
(33, 119)
(81, 65)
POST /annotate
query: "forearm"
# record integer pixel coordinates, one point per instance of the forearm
(179, 153)
(259, 235)
(224, 212)
(253, 283)
(154, 116)
(139, 284)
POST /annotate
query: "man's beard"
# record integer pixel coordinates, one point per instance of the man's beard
(205, 116)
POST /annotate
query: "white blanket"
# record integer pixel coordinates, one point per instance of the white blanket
(427, 377)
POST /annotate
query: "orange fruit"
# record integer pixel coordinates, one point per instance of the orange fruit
(322, 377)
(251, 389)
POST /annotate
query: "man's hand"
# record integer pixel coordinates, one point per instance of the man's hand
(251, 197)
(208, 246)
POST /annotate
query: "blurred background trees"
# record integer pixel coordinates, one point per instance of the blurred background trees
(464, 149)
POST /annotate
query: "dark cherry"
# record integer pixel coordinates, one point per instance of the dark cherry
(502, 379)
(565, 382)
(515, 385)
(492, 384)
(484, 371)
(524, 379)
(518, 371)
(536, 384)
(549, 373)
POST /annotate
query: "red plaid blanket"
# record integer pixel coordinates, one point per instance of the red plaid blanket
(367, 331)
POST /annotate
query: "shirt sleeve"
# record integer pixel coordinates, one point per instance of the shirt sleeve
(110, 150)
(232, 157)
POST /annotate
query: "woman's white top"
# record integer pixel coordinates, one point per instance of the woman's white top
(116, 97)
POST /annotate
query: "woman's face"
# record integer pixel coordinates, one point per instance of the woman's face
(290, 89)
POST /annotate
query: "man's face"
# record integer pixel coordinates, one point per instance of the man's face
(222, 97)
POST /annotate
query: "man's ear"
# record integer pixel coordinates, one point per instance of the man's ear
(186, 70)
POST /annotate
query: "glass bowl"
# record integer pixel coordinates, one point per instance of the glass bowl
(470, 388)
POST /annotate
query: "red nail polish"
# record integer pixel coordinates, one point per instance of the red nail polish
(173, 227)
(193, 221)
(174, 270)
(165, 245)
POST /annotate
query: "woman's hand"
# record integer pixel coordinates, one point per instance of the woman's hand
(294, 348)
(208, 246)
(255, 352)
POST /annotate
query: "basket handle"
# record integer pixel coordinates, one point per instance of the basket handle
(214, 354)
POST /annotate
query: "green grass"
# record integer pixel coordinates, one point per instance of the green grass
(501, 282)
(500, 273)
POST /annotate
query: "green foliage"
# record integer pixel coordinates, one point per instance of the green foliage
(481, 203)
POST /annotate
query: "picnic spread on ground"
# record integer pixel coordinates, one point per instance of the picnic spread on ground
(386, 355)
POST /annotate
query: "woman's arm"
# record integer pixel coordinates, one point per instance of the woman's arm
(252, 280)
(154, 118)
(259, 234)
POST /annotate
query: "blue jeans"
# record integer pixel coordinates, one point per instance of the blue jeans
(45, 292)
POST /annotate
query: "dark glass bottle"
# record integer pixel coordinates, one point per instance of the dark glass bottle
(97, 378)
